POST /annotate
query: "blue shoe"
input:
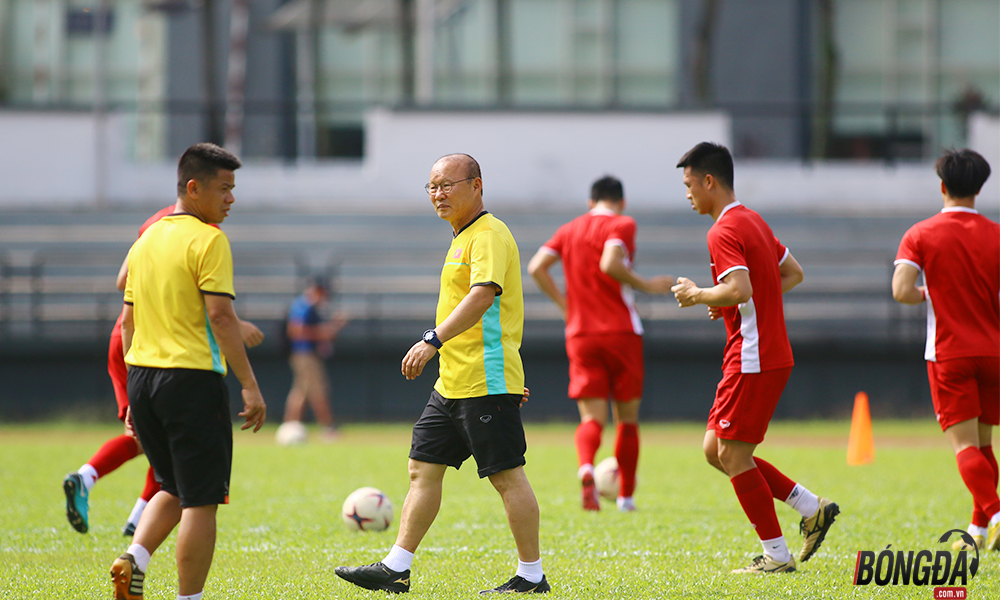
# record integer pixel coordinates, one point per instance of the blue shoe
(76, 501)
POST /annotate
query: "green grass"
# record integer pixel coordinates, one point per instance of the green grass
(282, 534)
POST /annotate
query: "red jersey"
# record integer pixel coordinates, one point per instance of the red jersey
(756, 338)
(958, 251)
(595, 302)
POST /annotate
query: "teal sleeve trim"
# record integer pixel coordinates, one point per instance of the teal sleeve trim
(493, 359)
(213, 346)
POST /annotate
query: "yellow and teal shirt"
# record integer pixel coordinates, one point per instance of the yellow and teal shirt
(170, 266)
(484, 359)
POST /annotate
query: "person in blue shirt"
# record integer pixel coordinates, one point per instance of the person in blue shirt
(311, 338)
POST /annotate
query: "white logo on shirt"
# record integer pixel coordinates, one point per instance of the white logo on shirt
(724, 423)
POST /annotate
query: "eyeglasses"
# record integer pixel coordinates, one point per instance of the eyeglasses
(432, 188)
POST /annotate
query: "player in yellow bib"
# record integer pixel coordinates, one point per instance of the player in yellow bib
(474, 409)
(178, 332)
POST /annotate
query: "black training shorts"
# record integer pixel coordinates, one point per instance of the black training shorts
(487, 428)
(182, 419)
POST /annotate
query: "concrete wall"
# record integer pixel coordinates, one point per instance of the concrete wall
(528, 159)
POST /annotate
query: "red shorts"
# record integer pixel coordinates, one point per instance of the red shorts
(116, 369)
(965, 388)
(744, 404)
(607, 365)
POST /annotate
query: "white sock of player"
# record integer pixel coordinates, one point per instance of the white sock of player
(89, 474)
(140, 505)
(974, 530)
(398, 559)
(995, 519)
(192, 596)
(530, 571)
(777, 549)
(625, 504)
(141, 556)
(581, 472)
(802, 500)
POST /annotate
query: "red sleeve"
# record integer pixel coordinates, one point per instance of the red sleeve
(624, 230)
(909, 249)
(780, 250)
(727, 251)
(556, 242)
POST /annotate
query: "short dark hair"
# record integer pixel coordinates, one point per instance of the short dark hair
(471, 165)
(607, 188)
(202, 162)
(963, 172)
(710, 159)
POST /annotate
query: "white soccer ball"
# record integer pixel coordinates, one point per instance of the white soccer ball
(292, 433)
(606, 478)
(367, 509)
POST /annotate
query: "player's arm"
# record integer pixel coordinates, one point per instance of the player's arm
(791, 273)
(538, 268)
(468, 312)
(904, 285)
(735, 288)
(128, 328)
(613, 265)
(226, 329)
(122, 275)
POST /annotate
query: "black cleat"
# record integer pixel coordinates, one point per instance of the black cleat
(376, 577)
(520, 585)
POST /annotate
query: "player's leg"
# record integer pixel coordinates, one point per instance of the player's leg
(148, 491)
(710, 446)
(296, 400)
(522, 516)
(435, 445)
(195, 547)
(76, 486)
(956, 390)
(627, 451)
(128, 570)
(627, 372)
(818, 514)
(593, 415)
(590, 385)
(318, 397)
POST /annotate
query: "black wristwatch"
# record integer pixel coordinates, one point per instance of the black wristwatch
(431, 337)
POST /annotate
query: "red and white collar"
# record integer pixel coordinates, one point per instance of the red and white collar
(600, 211)
(728, 206)
(960, 209)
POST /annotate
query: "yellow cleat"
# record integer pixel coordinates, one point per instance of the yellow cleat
(127, 578)
(961, 546)
(764, 564)
(993, 537)
(814, 528)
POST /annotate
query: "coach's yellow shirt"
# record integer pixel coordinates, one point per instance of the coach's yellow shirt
(484, 359)
(178, 259)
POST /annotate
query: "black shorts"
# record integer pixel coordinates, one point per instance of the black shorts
(487, 428)
(182, 419)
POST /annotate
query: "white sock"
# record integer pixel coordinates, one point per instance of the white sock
(530, 571)
(980, 531)
(802, 500)
(777, 549)
(89, 474)
(141, 556)
(583, 470)
(625, 504)
(140, 505)
(398, 559)
(192, 596)
(995, 519)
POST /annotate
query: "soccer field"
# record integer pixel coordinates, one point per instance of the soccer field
(282, 534)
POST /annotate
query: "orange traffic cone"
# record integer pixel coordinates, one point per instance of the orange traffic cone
(861, 444)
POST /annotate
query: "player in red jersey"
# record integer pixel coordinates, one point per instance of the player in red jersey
(958, 251)
(603, 331)
(122, 448)
(751, 269)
